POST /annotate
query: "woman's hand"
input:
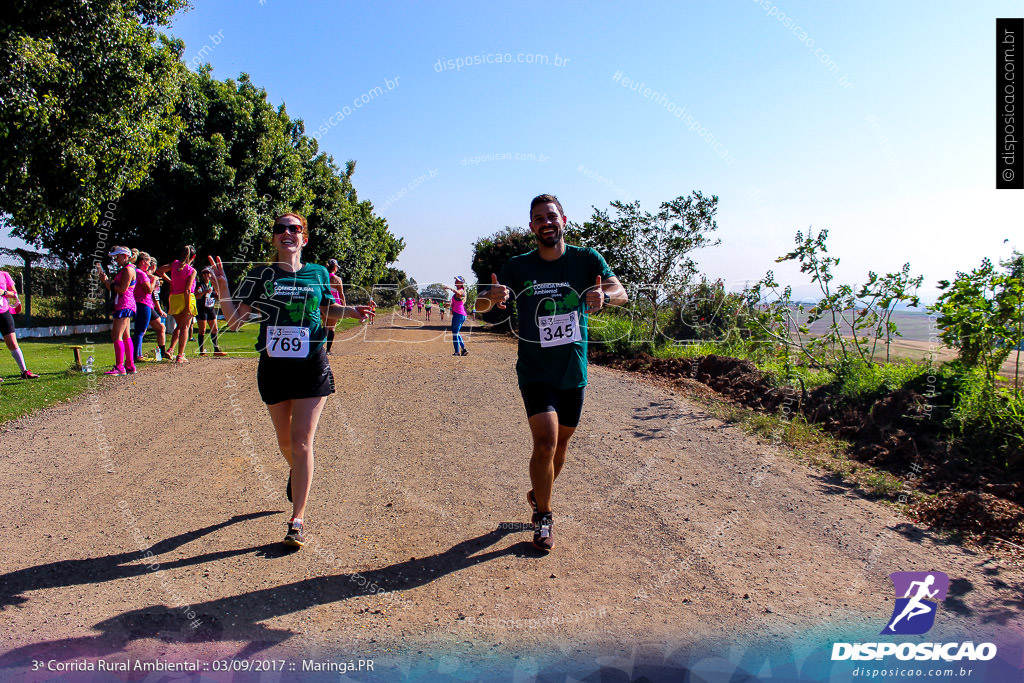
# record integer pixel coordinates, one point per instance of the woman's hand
(220, 278)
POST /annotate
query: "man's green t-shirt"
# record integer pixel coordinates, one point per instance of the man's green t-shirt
(549, 298)
(286, 302)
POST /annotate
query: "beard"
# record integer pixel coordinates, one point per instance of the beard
(551, 241)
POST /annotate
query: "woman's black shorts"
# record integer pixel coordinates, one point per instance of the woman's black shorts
(206, 313)
(6, 323)
(282, 379)
(544, 398)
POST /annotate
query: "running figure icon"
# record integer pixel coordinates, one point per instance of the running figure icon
(918, 595)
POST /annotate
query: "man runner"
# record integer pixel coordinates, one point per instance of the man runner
(555, 286)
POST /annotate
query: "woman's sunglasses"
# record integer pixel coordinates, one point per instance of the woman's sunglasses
(281, 228)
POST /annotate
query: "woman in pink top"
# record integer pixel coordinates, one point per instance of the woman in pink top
(159, 314)
(458, 314)
(123, 287)
(182, 304)
(9, 305)
(144, 283)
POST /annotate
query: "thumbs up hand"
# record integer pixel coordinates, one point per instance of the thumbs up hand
(595, 297)
(497, 295)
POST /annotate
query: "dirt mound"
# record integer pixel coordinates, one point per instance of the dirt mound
(980, 516)
(899, 432)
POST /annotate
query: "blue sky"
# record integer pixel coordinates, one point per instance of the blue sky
(874, 120)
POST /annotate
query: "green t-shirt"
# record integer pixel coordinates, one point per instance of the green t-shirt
(287, 302)
(549, 298)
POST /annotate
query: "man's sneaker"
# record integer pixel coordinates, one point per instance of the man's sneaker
(542, 524)
(465, 352)
(295, 536)
(288, 488)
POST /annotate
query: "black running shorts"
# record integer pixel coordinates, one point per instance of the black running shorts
(285, 379)
(6, 323)
(544, 398)
(206, 314)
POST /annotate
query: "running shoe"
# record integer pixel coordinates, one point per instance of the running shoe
(456, 353)
(218, 352)
(115, 371)
(202, 353)
(131, 370)
(465, 352)
(295, 536)
(28, 374)
(542, 524)
(288, 488)
(532, 500)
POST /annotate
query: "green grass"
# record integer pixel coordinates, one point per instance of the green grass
(53, 360)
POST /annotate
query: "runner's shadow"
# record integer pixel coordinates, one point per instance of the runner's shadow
(111, 567)
(237, 618)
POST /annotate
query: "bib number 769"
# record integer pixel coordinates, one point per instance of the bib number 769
(289, 341)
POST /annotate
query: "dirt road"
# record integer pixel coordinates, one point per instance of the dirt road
(136, 521)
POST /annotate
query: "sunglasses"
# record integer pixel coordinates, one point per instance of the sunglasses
(281, 228)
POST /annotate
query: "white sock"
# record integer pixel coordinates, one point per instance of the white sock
(19, 359)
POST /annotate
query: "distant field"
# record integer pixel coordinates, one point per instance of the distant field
(912, 326)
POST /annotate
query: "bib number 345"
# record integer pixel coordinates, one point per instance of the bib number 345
(289, 341)
(557, 330)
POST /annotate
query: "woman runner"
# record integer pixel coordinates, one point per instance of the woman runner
(458, 314)
(206, 312)
(182, 303)
(144, 284)
(9, 305)
(338, 292)
(157, 321)
(428, 304)
(293, 376)
(123, 288)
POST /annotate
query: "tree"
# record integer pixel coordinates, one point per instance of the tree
(88, 91)
(435, 291)
(981, 313)
(650, 253)
(490, 254)
(386, 290)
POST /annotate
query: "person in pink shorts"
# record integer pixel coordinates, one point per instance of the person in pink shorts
(122, 286)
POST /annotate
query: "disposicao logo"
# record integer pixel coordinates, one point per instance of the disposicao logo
(918, 595)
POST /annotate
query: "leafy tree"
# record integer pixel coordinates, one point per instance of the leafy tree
(435, 291)
(88, 92)
(856, 318)
(981, 313)
(387, 288)
(649, 251)
(490, 254)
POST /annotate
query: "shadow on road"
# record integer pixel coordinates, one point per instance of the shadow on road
(111, 567)
(237, 618)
